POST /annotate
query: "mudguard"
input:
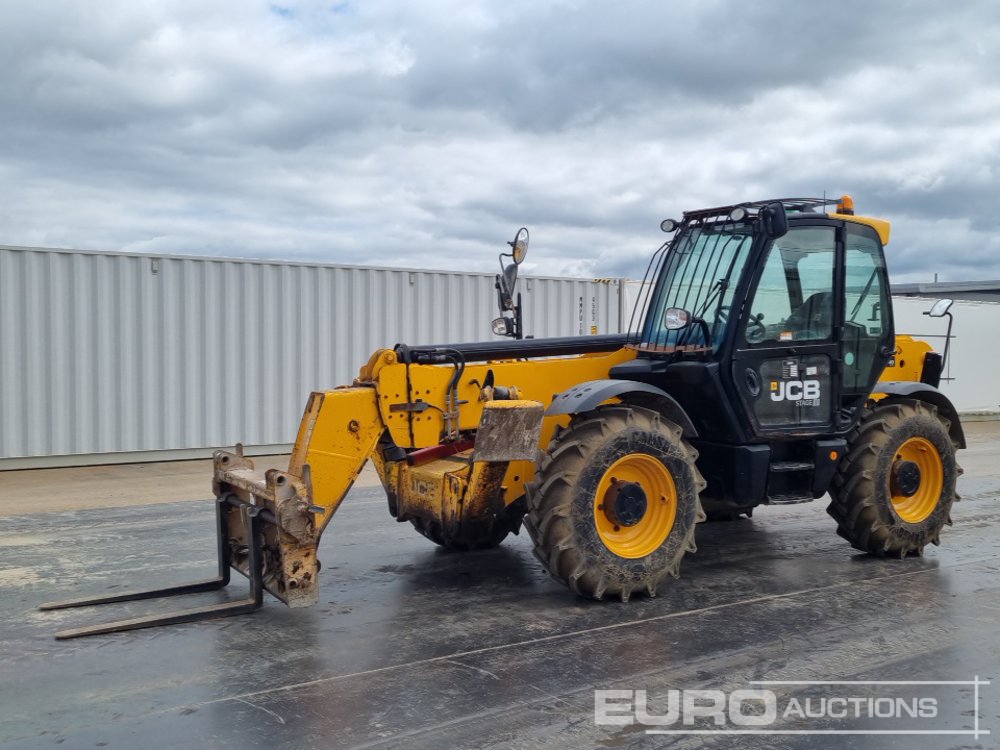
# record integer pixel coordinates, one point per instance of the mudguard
(928, 393)
(588, 395)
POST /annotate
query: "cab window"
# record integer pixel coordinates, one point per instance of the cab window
(867, 311)
(794, 299)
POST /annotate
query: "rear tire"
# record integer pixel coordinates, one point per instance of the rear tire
(637, 464)
(895, 486)
(477, 535)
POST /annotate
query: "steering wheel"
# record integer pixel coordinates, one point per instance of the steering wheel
(756, 330)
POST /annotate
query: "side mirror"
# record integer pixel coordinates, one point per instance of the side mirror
(774, 220)
(510, 278)
(519, 247)
(940, 308)
(675, 318)
(507, 299)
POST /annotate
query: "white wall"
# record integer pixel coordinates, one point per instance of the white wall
(973, 362)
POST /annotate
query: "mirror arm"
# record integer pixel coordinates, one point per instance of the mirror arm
(506, 286)
(951, 320)
(947, 340)
(503, 295)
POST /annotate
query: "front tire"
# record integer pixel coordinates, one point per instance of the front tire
(895, 486)
(614, 503)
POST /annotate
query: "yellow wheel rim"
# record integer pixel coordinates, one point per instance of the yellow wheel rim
(916, 507)
(642, 526)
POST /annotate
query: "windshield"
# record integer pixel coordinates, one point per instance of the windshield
(699, 275)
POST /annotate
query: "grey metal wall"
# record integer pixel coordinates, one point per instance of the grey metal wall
(105, 353)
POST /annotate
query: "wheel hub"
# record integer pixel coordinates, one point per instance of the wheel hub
(625, 503)
(916, 479)
(635, 505)
(905, 478)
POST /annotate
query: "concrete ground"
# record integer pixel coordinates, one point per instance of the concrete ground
(412, 647)
(120, 485)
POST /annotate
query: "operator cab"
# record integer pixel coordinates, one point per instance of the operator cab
(767, 321)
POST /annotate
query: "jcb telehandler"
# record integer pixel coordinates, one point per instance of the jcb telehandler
(762, 369)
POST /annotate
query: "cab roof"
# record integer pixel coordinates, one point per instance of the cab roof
(843, 210)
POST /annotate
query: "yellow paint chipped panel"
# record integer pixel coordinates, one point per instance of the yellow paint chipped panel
(536, 380)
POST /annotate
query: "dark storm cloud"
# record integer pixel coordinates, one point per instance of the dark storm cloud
(423, 134)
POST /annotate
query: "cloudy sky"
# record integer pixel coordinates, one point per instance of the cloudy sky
(395, 132)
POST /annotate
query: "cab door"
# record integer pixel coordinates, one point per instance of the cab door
(868, 335)
(787, 344)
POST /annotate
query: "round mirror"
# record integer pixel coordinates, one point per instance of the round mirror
(668, 225)
(520, 245)
(675, 318)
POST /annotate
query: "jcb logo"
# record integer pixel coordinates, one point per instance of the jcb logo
(794, 390)
(421, 486)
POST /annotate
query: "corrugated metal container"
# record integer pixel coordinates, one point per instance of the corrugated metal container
(105, 353)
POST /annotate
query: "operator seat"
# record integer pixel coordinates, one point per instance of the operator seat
(813, 319)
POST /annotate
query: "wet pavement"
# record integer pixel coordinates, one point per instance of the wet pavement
(412, 647)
